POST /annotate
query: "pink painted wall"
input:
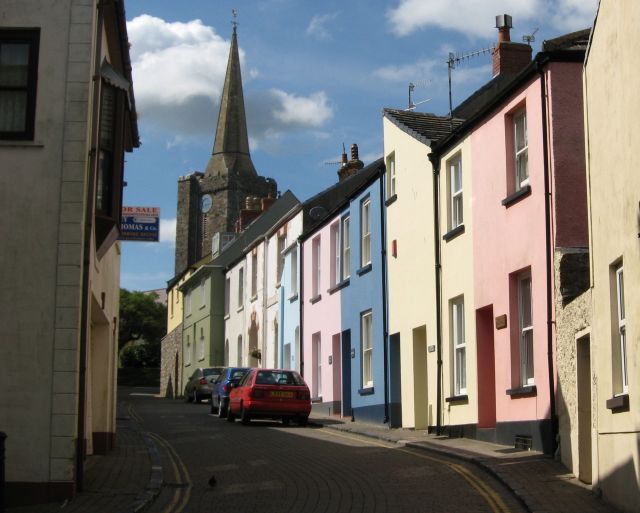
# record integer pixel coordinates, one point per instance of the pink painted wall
(322, 316)
(508, 240)
(567, 154)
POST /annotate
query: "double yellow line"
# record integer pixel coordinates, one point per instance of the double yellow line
(181, 496)
(491, 497)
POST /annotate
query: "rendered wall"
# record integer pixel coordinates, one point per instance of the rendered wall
(411, 274)
(612, 110)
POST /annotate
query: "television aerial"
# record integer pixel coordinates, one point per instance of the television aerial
(412, 86)
(530, 38)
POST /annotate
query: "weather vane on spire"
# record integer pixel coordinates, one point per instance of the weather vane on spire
(234, 13)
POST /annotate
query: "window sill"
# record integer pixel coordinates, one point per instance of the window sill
(618, 403)
(253, 298)
(239, 309)
(316, 399)
(366, 391)
(315, 299)
(15, 143)
(364, 270)
(525, 391)
(338, 286)
(458, 399)
(516, 196)
(391, 200)
(293, 297)
(452, 234)
(227, 317)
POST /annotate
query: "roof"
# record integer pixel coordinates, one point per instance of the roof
(317, 209)
(426, 128)
(567, 48)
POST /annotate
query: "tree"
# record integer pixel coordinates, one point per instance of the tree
(143, 323)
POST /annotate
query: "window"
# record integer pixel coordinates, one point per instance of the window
(106, 138)
(240, 287)
(293, 256)
(226, 353)
(525, 315)
(276, 344)
(227, 295)
(254, 274)
(391, 176)
(187, 303)
(315, 266)
(317, 365)
(187, 353)
(239, 350)
(335, 254)
(346, 251)
(171, 292)
(456, 217)
(365, 232)
(459, 346)
(203, 294)
(621, 380)
(367, 349)
(18, 80)
(201, 345)
(282, 241)
(521, 149)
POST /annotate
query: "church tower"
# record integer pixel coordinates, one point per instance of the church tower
(210, 202)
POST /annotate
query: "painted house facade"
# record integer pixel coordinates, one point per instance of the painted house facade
(608, 372)
(70, 71)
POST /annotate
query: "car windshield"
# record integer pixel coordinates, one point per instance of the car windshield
(211, 372)
(237, 374)
(266, 377)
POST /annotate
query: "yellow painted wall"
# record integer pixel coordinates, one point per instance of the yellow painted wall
(612, 72)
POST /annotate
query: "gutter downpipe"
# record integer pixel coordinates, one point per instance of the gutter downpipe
(86, 259)
(548, 247)
(385, 334)
(435, 162)
(300, 278)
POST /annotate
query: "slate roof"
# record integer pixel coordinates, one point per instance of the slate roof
(569, 42)
(317, 209)
(426, 128)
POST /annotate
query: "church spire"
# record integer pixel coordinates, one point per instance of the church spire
(230, 154)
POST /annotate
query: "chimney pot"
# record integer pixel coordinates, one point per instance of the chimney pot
(354, 152)
(508, 57)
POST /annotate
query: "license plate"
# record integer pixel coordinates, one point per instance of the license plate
(288, 395)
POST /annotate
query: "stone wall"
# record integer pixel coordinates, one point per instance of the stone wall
(171, 366)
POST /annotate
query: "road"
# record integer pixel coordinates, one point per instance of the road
(266, 467)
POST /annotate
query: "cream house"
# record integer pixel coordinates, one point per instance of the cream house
(609, 353)
(62, 141)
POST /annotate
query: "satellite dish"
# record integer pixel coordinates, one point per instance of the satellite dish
(317, 212)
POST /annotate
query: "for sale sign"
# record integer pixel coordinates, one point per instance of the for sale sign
(140, 224)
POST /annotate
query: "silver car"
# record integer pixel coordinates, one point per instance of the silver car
(198, 386)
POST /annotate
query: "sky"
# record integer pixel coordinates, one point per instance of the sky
(316, 75)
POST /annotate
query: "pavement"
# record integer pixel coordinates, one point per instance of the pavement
(130, 477)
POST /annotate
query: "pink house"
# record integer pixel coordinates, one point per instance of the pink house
(526, 134)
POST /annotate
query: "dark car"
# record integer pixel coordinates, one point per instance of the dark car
(198, 386)
(270, 393)
(223, 384)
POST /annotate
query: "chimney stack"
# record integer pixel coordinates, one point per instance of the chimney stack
(508, 57)
(353, 166)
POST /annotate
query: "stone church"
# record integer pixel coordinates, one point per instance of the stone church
(209, 203)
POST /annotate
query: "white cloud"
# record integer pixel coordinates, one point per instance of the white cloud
(168, 231)
(411, 72)
(475, 18)
(318, 26)
(178, 71)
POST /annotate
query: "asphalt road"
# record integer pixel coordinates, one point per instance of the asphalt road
(266, 467)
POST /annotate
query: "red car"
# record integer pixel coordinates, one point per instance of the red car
(270, 394)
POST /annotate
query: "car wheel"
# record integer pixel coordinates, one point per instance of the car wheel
(285, 421)
(303, 420)
(244, 416)
(222, 411)
(212, 409)
(230, 416)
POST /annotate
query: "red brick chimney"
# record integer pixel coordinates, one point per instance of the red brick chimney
(353, 166)
(508, 57)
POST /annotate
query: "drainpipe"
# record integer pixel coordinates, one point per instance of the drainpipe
(385, 333)
(86, 259)
(435, 161)
(548, 248)
(300, 306)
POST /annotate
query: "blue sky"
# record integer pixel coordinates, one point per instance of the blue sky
(315, 74)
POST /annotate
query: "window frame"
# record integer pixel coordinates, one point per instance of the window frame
(227, 295)
(30, 37)
(203, 294)
(521, 154)
(201, 344)
(525, 331)
(316, 277)
(366, 348)
(391, 176)
(293, 270)
(345, 241)
(456, 196)
(187, 303)
(316, 348)
(365, 232)
(336, 251)
(459, 346)
(621, 328)
(254, 274)
(240, 287)
(281, 244)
